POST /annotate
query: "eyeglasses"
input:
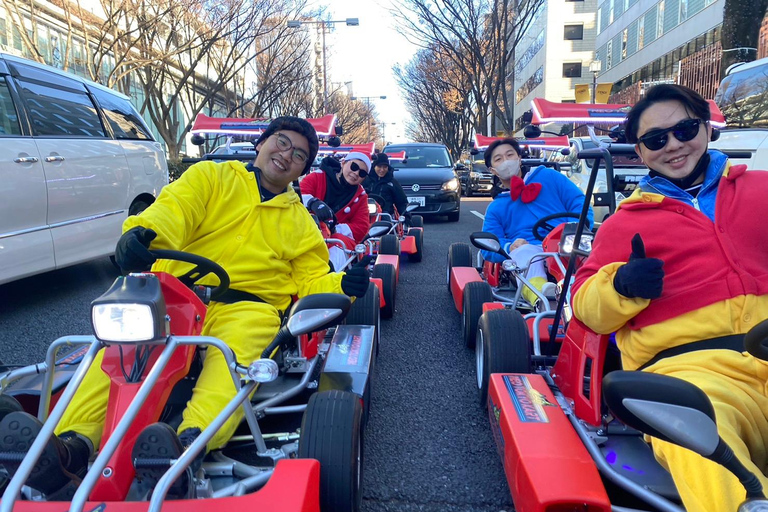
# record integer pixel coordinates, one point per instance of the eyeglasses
(682, 131)
(359, 170)
(299, 156)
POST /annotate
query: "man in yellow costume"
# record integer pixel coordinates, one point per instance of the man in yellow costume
(249, 220)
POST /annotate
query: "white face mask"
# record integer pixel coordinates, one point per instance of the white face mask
(508, 168)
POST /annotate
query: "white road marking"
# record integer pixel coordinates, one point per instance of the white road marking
(478, 214)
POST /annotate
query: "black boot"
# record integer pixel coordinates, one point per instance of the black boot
(156, 447)
(57, 472)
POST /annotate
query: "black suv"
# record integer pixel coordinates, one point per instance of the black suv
(480, 178)
(428, 178)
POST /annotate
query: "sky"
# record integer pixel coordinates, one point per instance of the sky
(365, 55)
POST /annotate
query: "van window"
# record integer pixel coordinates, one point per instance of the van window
(9, 120)
(421, 156)
(60, 112)
(743, 96)
(122, 117)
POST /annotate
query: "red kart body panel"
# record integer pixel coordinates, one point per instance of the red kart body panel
(460, 276)
(393, 260)
(380, 288)
(547, 466)
(582, 354)
(408, 244)
(187, 313)
(489, 306)
(293, 487)
(492, 271)
(545, 324)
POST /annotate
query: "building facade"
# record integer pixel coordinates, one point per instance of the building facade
(555, 53)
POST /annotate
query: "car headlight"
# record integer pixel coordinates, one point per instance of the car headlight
(585, 244)
(131, 311)
(451, 185)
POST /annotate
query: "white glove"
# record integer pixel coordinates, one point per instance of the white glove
(344, 230)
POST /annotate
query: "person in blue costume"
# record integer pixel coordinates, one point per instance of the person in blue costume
(526, 198)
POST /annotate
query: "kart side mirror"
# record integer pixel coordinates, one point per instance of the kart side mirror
(317, 312)
(377, 231)
(532, 131)
(460, 167)
(474, 151)
(486, 241)
(411, 207)
(197, 139)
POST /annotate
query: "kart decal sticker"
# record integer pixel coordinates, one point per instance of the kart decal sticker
(350, 348)
(528, 402)
(494, 415)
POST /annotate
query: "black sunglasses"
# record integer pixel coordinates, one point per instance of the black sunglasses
(359, 170)
(682, 131)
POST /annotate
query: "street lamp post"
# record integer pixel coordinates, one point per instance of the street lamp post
(324, 25)
(384, 131)
(595, 66)
(368, 106)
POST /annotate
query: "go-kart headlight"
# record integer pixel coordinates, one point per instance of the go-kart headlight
(372, 208)
(131, 311)
(508, 265)
(263, 370)
(451, 185)
(585, 244)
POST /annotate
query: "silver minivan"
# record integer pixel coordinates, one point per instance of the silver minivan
(76, 159)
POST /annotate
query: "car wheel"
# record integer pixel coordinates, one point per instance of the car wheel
(137, 207)
(476, 294)
(386, 273)
(417, 221)
(459, 255)
(365, 311)
(469, 191)
(454, 216)
(418, 235)
(502, 346)
(389, 244)
(331, 433)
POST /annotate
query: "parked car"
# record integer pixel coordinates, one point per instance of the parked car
(628, 171)
(480, 178)
(76, 159)
(428, 178)
(751, 140)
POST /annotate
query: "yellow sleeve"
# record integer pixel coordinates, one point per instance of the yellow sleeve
(179, 209)
(310, 270)
(600, 307)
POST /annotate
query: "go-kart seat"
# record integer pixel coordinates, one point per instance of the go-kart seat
(382, 223)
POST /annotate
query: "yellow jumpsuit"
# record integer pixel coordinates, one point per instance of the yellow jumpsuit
(272, 249)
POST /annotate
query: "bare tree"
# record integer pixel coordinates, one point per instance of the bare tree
(741, 29)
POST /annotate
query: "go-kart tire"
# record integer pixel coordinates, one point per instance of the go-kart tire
(386, 273)
(331, 432)
(418, 235)
(389, 244)
(476, 294)
(459, 255)
(417, 221)
(503, 346)
(365, 311)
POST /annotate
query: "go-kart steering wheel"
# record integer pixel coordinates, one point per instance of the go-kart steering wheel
(544, 223)
(203, 266)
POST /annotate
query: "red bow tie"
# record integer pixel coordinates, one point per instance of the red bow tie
(518, 188)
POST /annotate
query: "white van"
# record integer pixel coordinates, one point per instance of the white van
(75, 160)
(743, 98)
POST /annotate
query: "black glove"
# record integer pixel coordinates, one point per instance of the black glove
(132, 251)
(355, 281)
(321, 210)
(408, 216)
(330, 164)
(640, 277)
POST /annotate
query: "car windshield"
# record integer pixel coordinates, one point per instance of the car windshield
(478, 162)
(420, 157)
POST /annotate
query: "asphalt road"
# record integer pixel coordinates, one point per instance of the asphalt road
(428, 444)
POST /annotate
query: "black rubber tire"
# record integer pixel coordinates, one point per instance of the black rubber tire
(386, 272)
(389, 244)
(137, 207)
(503, 346)
(418, 235)
(459, 255)
(365, 311)
(417, 221)
(469, 191)
(476, 294)
(331, 432)
(454, 216)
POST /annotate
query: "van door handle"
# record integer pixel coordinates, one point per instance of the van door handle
(25, 160)
(54, 158)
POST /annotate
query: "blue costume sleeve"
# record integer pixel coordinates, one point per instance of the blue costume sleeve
(493, 224)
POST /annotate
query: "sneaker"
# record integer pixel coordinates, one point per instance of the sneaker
(549, 290)
(155, 449)
(57, 472)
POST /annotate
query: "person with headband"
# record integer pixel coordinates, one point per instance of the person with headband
(526, 198)
(249, 220)
(335, 192)
(680, 274)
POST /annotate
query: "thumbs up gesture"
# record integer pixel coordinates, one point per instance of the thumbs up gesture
(640, 276)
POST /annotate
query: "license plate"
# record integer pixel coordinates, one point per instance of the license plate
(416, 199)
